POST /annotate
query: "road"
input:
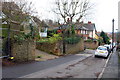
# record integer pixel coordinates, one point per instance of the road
(88, 68)
(81, 65)
(24, 69)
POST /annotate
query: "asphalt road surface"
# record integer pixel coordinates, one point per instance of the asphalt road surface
(88, 68)
(63, 67)
(24, 69)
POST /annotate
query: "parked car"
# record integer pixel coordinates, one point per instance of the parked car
(118, 47)
(102, 51)
(109, 48)
(114, 45)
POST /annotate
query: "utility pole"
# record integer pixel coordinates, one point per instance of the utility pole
(117, 36)
(112, 33)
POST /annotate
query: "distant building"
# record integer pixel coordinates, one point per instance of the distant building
(85, 30)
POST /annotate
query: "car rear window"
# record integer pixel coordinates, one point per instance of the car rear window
(101, 48)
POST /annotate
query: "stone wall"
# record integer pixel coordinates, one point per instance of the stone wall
(23, 51)
(91, 45)
(74, 48)
(52, 48)
(57, 48)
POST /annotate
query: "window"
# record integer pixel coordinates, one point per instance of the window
(102, 48)
(81, 31)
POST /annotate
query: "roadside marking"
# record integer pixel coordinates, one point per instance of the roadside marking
(100, 76)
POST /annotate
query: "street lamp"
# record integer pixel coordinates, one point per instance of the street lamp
(112, 33)
(117, 36)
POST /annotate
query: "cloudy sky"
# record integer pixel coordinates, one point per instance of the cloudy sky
(103, 12)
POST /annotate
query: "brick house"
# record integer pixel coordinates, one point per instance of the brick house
(86, 30)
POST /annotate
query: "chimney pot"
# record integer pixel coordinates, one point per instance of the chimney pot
(89, 22)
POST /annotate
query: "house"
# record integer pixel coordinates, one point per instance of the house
(37, 21)
(86, 30)
(26, 25)
(15, 19)
(12, 15)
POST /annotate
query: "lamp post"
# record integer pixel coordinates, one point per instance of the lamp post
(117, 36)
(112, 33)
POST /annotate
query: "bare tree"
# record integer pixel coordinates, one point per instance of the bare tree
(26, 7)
(72, 9)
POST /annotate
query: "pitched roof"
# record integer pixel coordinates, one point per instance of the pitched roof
(37, 20)
(85, 26)
(89, 26)
(13, 12)
(82, 26)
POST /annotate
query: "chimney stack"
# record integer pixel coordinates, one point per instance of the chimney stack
(89, 22)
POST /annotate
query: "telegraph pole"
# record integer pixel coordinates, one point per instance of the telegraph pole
(112, 33)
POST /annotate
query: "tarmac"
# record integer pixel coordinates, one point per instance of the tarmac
(111, 69)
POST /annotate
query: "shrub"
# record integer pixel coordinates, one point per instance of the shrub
(89, 40)
(72, 40)
(73, 30)
(54, 38)
(4, 33)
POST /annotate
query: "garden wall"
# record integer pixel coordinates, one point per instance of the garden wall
(91, 45)
(57, 48)
(23, 50)
(52, 48)
(74, 48)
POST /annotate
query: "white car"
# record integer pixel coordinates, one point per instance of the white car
(102, 51)
(108, 47)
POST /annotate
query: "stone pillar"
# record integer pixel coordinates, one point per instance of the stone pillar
(23, 50)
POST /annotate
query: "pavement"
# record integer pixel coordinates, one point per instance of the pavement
(118, 64)
(44, 56)
(111, 69)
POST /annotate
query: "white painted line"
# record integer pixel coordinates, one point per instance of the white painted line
(100, 76)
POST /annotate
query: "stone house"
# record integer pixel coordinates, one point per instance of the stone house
(17, 20)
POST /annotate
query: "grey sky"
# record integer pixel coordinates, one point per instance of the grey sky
(103, 13)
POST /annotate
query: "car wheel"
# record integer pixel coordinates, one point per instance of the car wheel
(95, 56)
(107, 56)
